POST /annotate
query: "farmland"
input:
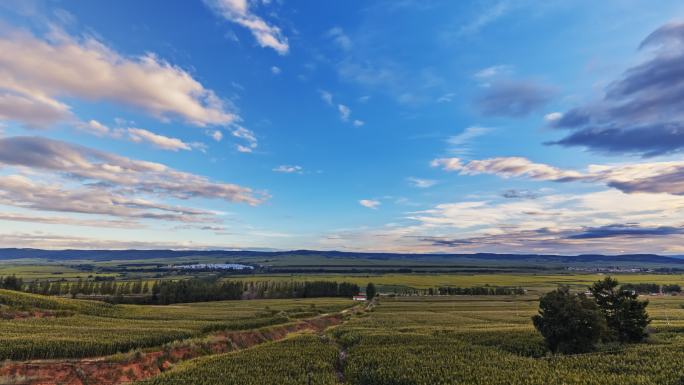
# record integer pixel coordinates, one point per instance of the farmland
(409, 335)
(449, 340)
(90, 328)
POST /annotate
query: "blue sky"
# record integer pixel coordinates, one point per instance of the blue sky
(421, 126)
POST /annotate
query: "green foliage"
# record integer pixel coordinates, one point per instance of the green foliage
(569, 322)
(98, 328)
(474, 340)
(370, 291)
(11, 282)
(167, 292)
(303, 360)
(625, 315)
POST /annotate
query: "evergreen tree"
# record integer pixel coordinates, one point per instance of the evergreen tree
(370, 291)
(569, 323)
(625, 315)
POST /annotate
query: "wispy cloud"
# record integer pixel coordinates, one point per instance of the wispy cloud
(370, 203)
(117, 172)
(340, 38)
(326, 97)
(493, 71)
(288, 169)
(421, 183)
(139, 135)
(461, 144)
(648, 177)
(239, 12)
(514, 98)
(246, 135)
(344, 112)
(160, 141)
(488, 15)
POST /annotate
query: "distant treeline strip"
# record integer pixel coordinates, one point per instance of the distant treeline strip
(647, 288)
(451, 290)
(182, 291)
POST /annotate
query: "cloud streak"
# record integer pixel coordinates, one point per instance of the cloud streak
(108, 169)
(41, 70)
(514, 98)
(239, 12)
(369, 203)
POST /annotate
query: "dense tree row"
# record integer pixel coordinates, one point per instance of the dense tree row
(11, 282)
(88, 288)
(647, 288)
(478, 290)
(188, 290)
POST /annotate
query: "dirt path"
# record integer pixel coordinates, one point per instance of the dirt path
(341, 362)
(137, 366)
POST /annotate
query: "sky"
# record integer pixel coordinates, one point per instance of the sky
(509, 126)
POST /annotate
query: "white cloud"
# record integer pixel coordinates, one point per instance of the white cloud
(138, 135)
(246, 135)
(340, 38)
(276, 70)
(288, 169)
(553, 116)
(507, 167)
(238, 11)
(369, 203)
(40, 70)
(20, 191)
(326, 97)
(446, 98)
(489, 15)
(34, 112)
(467, 135)
(493, 71)
(96, 128)
(243, 149)
(651, 177)
(163, 142)
(121, 174)
(421, 183)
(54, 220)
(543, 225)
(345, 112)
(217, 135)
(358, 123)
(460, 144)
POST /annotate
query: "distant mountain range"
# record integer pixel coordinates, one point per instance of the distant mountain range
(106, 255)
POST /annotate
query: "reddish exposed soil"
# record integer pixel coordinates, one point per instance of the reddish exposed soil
(17, 314)
(107, 371)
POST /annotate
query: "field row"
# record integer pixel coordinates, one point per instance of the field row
(449, 340)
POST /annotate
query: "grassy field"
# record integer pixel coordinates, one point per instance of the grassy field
(90, 328)
(447, 340)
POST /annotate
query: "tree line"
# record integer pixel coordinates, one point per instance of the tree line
(478, 290)
(577, 323)
(182, 291)
(647, 288)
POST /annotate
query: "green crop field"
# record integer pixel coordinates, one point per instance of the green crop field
(91, 328)
(447, 340)
(417, 340)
